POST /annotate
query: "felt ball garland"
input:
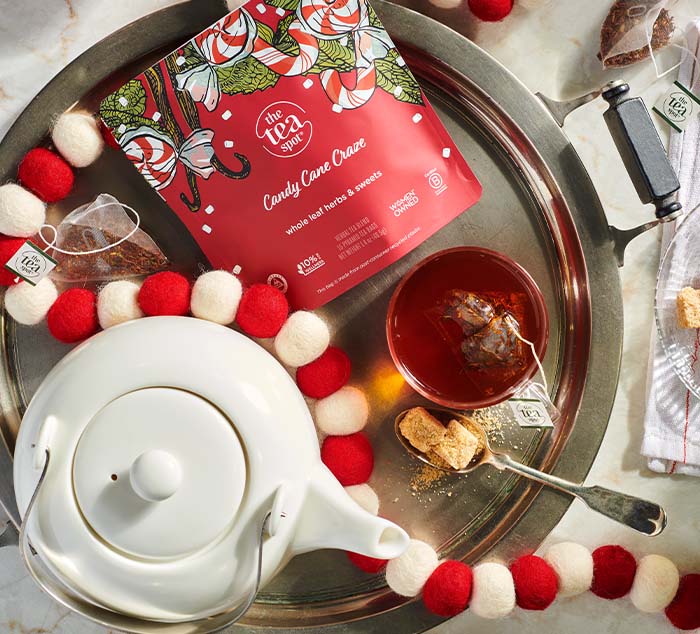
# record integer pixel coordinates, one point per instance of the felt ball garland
(490, 590)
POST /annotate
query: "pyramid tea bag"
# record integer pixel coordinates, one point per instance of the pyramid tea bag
(99, 242)
(634, 30)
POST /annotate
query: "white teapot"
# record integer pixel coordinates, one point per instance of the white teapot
(167, 468)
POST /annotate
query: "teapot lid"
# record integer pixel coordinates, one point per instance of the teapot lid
(145, 461)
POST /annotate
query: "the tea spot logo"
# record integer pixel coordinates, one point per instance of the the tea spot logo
(677, 106)
(284, 129)
(31, 263)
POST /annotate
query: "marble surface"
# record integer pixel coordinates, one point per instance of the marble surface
(551, 49)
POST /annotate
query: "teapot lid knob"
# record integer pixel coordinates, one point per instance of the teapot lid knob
(155, 475)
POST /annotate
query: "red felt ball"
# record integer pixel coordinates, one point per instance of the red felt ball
(262, 311)
(325, 375)
(8, 247)
(46, 174)
(349, 458)
(165, 293)
(73, 316)
(491, 10)
(613, 572)
(448, 589)
(367, 564)
(535, 582)
(684, 610)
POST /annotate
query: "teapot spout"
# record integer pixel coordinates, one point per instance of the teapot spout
(332, 519)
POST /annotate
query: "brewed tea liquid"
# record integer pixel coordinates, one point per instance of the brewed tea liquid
(429, 356)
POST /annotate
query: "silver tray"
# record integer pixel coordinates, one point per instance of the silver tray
(539, 206)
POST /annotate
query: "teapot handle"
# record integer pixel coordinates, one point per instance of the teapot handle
(52, 585)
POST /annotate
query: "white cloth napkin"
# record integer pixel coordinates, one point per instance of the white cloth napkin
(672, 438)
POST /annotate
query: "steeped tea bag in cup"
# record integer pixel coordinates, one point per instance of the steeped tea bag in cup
(99, 242)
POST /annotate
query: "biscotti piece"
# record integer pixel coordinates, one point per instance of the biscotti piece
(421, 429)
(458, 446)
(688, 307)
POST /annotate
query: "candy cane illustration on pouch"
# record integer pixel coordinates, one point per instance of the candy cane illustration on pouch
(284, 64)
(223, 44)
(155, 156)
(331, 19)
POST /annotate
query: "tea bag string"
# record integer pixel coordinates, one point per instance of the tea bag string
(509, 320)
(648, 31)
(52, 245)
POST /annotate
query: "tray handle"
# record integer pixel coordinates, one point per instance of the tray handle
(641, 150)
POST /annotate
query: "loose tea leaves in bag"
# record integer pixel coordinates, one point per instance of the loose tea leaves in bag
(106, 243)
(633, 30)
(295, 145)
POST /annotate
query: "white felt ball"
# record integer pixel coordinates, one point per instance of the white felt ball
(655, 583)
(21, 212)
(406, 575)
(303, 338)
(365, 496)
(446, 4)
(493, 594)
(532, 4)
(29, 304)
(118, 302)
(573, 565)
(77, 138)
(215, 296)
(342, 413)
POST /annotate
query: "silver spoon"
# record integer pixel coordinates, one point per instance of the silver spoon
(641, 515)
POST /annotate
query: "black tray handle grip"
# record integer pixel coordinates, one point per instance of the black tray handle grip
(642, 151)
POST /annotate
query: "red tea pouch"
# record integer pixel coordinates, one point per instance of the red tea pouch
(295, 144)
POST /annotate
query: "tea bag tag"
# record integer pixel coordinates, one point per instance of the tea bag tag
(530, 412)
(31, 263)
(678, 106)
